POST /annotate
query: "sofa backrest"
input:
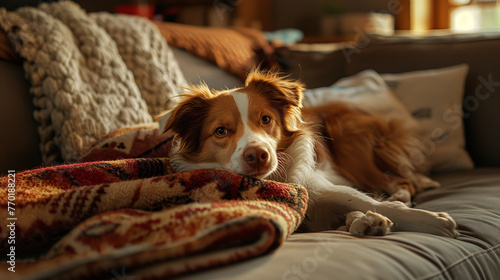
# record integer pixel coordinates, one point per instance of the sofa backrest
(397, 54)
(482, 89)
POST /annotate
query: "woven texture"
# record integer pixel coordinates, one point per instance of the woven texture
(86, 82)
(145, 51)
(131, 142)
(136, 214)
(236, 50)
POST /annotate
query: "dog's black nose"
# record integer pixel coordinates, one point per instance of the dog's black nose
(256, 157)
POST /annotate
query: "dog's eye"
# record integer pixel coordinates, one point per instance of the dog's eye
(266, 119)
(220, 131)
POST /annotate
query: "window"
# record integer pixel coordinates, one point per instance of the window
(478, 15)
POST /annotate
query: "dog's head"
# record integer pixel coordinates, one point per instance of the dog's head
(240, 129)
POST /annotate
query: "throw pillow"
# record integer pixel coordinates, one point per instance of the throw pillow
(434, 97)
(147, 54)
(368, 91)
(236, 50)
(90, 74)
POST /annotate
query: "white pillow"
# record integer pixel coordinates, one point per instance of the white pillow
(367, 90)
(434, 97)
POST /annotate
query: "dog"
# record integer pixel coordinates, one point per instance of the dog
(262, 130)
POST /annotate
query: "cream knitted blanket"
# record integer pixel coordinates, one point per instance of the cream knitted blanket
(90, 73)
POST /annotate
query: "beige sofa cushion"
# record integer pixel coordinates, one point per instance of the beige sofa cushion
(471, 198)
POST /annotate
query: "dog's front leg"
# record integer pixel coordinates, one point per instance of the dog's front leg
(331, 204)
(418, 220)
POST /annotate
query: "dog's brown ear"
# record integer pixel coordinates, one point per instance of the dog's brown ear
(284, 94)
(186, 120)
(279, 89)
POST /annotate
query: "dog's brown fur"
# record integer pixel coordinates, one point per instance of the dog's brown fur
(371, 152)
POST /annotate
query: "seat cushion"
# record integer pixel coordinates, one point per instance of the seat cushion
(472, 198)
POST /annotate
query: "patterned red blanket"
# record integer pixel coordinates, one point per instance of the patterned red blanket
(135, 217)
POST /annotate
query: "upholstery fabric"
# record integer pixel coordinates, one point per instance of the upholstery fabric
(198, 70)
(19, 145)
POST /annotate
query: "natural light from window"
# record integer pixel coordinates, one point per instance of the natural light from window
(475, 17)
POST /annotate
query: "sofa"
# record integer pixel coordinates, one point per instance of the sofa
(470, 195)
(469, 177)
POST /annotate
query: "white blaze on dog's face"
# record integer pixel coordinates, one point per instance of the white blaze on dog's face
(240, 130)
(255, 151)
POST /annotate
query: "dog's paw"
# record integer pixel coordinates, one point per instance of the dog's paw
(443, 225)
(370, 223)
(437, 223)
(402, 195)
(418, 220)
(423, 183)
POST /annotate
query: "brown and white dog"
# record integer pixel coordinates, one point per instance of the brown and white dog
(262, 130)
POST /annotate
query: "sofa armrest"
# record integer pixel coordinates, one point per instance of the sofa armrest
(19, 142)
